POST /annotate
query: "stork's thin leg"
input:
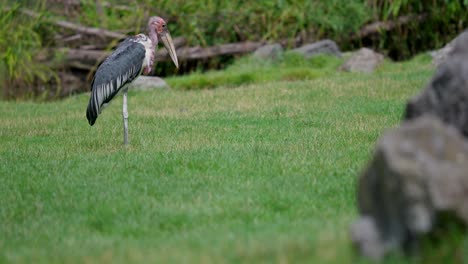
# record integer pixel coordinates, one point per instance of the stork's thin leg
(125, 116)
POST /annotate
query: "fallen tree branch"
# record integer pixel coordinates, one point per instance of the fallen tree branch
(379, 26)
(187, 53)
(178, 42)
(116, 7)
(78, 28)
(71, 38)
(195, 53)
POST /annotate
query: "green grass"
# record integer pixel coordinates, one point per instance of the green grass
(250, 70)
(255, 174)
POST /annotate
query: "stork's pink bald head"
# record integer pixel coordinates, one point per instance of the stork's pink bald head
(158, 31)
(157, 24)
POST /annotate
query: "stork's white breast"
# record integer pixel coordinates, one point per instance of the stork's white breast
(148, 52)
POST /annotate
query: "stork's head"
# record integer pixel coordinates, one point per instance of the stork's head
(158, 26)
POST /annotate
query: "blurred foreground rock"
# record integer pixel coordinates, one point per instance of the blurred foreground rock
(364, 60)
(272, 51)
(418, 177)
(326, 46)
(147, 83)
(440, 56)
(418, 171)
(446, 96)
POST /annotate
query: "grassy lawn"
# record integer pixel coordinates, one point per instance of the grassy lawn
(289, 66)
(259, 173)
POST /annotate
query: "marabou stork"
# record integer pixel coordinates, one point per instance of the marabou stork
(132, 57)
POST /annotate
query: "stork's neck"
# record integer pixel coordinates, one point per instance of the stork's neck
(150, 51)
(154, 38)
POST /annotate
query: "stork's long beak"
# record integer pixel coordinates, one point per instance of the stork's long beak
(167, 40)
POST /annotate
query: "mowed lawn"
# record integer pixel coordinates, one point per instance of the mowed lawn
(258, 173)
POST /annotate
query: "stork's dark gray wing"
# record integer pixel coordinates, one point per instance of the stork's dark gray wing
(120, 68)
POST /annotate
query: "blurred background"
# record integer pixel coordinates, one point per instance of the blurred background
(49, 49)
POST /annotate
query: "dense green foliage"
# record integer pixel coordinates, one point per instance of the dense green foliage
(443, 19)
(230, 21)
(255, 174)
(208, 22)
(20, 43)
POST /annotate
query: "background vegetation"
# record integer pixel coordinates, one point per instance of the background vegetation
(209, 22)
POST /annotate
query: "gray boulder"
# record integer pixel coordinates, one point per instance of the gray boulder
(364, 60)
(440, 56)
(272, 51)
(418, 172)
(321, 47)
(148, 83)
(446, 96)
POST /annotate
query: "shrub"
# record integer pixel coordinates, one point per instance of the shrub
(20, 46)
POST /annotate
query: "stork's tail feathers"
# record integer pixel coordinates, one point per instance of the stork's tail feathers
(91, 112)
